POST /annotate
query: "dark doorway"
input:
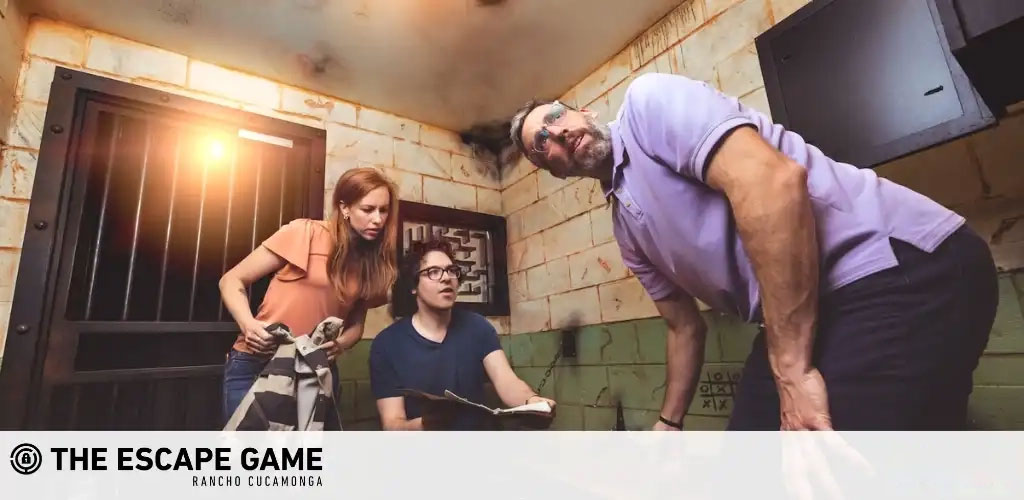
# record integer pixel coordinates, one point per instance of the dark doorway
(142, 200)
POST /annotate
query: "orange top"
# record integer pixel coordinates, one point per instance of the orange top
(300, 294)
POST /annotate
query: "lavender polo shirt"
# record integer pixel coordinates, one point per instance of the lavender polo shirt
(676, 233)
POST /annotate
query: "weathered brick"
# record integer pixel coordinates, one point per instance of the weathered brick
(347, 143)
(531, 316)
(996, 408)
(715, 389)
(999, 150)
(548, 279)
(476, 172)
(638, 386)
(135, 60)
(575, 308)
(547, 183)
(736, 336)
(604, 78)
(410, 185)
(488, 201)
(388, 124)
(517, 286)
(651, 340)
(306, 103)
(27, 128)
(366, 404)
(782, 9)
(945, 173)
(13, 216)
(415, 158)
(716, 7)
(567, 418)
(600, 264)
(598, 419)
(582, 385)
(520, 194)
(702, 423)
(639, 420)
(520, 347)
(506, 345)
(354, 364)
(526, 253)
(544, 347)
(622, 347)
(590, 340)
(582, 195)
(377, 319)
(534, 376)
(740, 73)
(502, 324)
(17, 173)
(1008, 329)
(515, 173)
(568, 237)
(233, 85)
(447, 140)
(449, 194)
(601, 224)
(654, 41)
(57, 41)
(758, 100)
(625, 299)
(36, 79)
(347, 401)
(1007, 369)
(727, 33)
(544, 214)
(9, 260)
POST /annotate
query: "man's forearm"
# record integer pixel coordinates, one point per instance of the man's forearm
(514, 392)
(402, 424)
(685, 356)
(778, 231)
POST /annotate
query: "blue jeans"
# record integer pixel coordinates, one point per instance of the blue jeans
(241, 370)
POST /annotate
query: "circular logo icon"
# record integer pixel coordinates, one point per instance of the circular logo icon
(26, 458)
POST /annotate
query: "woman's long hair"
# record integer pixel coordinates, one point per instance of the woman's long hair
(370, 263)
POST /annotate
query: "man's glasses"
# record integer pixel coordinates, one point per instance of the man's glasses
(436, 273)
(540, 139)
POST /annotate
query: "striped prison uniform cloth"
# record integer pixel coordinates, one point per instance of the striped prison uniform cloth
(294, 392)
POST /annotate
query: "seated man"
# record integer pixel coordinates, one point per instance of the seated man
(438, 348)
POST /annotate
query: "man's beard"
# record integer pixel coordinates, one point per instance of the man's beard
(597, 151)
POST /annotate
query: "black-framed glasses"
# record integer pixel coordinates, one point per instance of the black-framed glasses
(436, 273)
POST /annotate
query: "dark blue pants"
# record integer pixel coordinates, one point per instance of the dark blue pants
(240, 372)
(897, 348)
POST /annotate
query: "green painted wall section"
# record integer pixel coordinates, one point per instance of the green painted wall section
(626, 362)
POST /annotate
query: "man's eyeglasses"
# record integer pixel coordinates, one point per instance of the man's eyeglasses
(555, 114)
(436, 273)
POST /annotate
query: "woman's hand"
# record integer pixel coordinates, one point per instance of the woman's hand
(257, 338)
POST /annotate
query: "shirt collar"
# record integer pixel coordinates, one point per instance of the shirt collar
(618, 159)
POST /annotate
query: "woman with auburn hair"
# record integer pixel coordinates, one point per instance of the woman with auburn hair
(339, 267)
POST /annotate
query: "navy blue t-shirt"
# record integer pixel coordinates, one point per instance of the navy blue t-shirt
(401, 358)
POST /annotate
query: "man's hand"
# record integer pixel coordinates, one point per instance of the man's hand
(661, 426)
(538, 399)
(803, 401)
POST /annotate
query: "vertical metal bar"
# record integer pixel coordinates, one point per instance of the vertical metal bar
(73, 414)
(138, 216)
(112, 414)
(256, 197)
(227, 223)
(103, 215)
(199, 241)
(280, 203)
(170, 223)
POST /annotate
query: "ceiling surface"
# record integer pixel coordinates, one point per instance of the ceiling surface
(450, 63)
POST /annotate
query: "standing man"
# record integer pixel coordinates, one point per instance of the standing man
(439, 348)
(876, 301)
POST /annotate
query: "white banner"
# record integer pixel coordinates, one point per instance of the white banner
(524, 465)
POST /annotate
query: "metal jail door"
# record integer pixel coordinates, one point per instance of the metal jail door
(155, 202)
